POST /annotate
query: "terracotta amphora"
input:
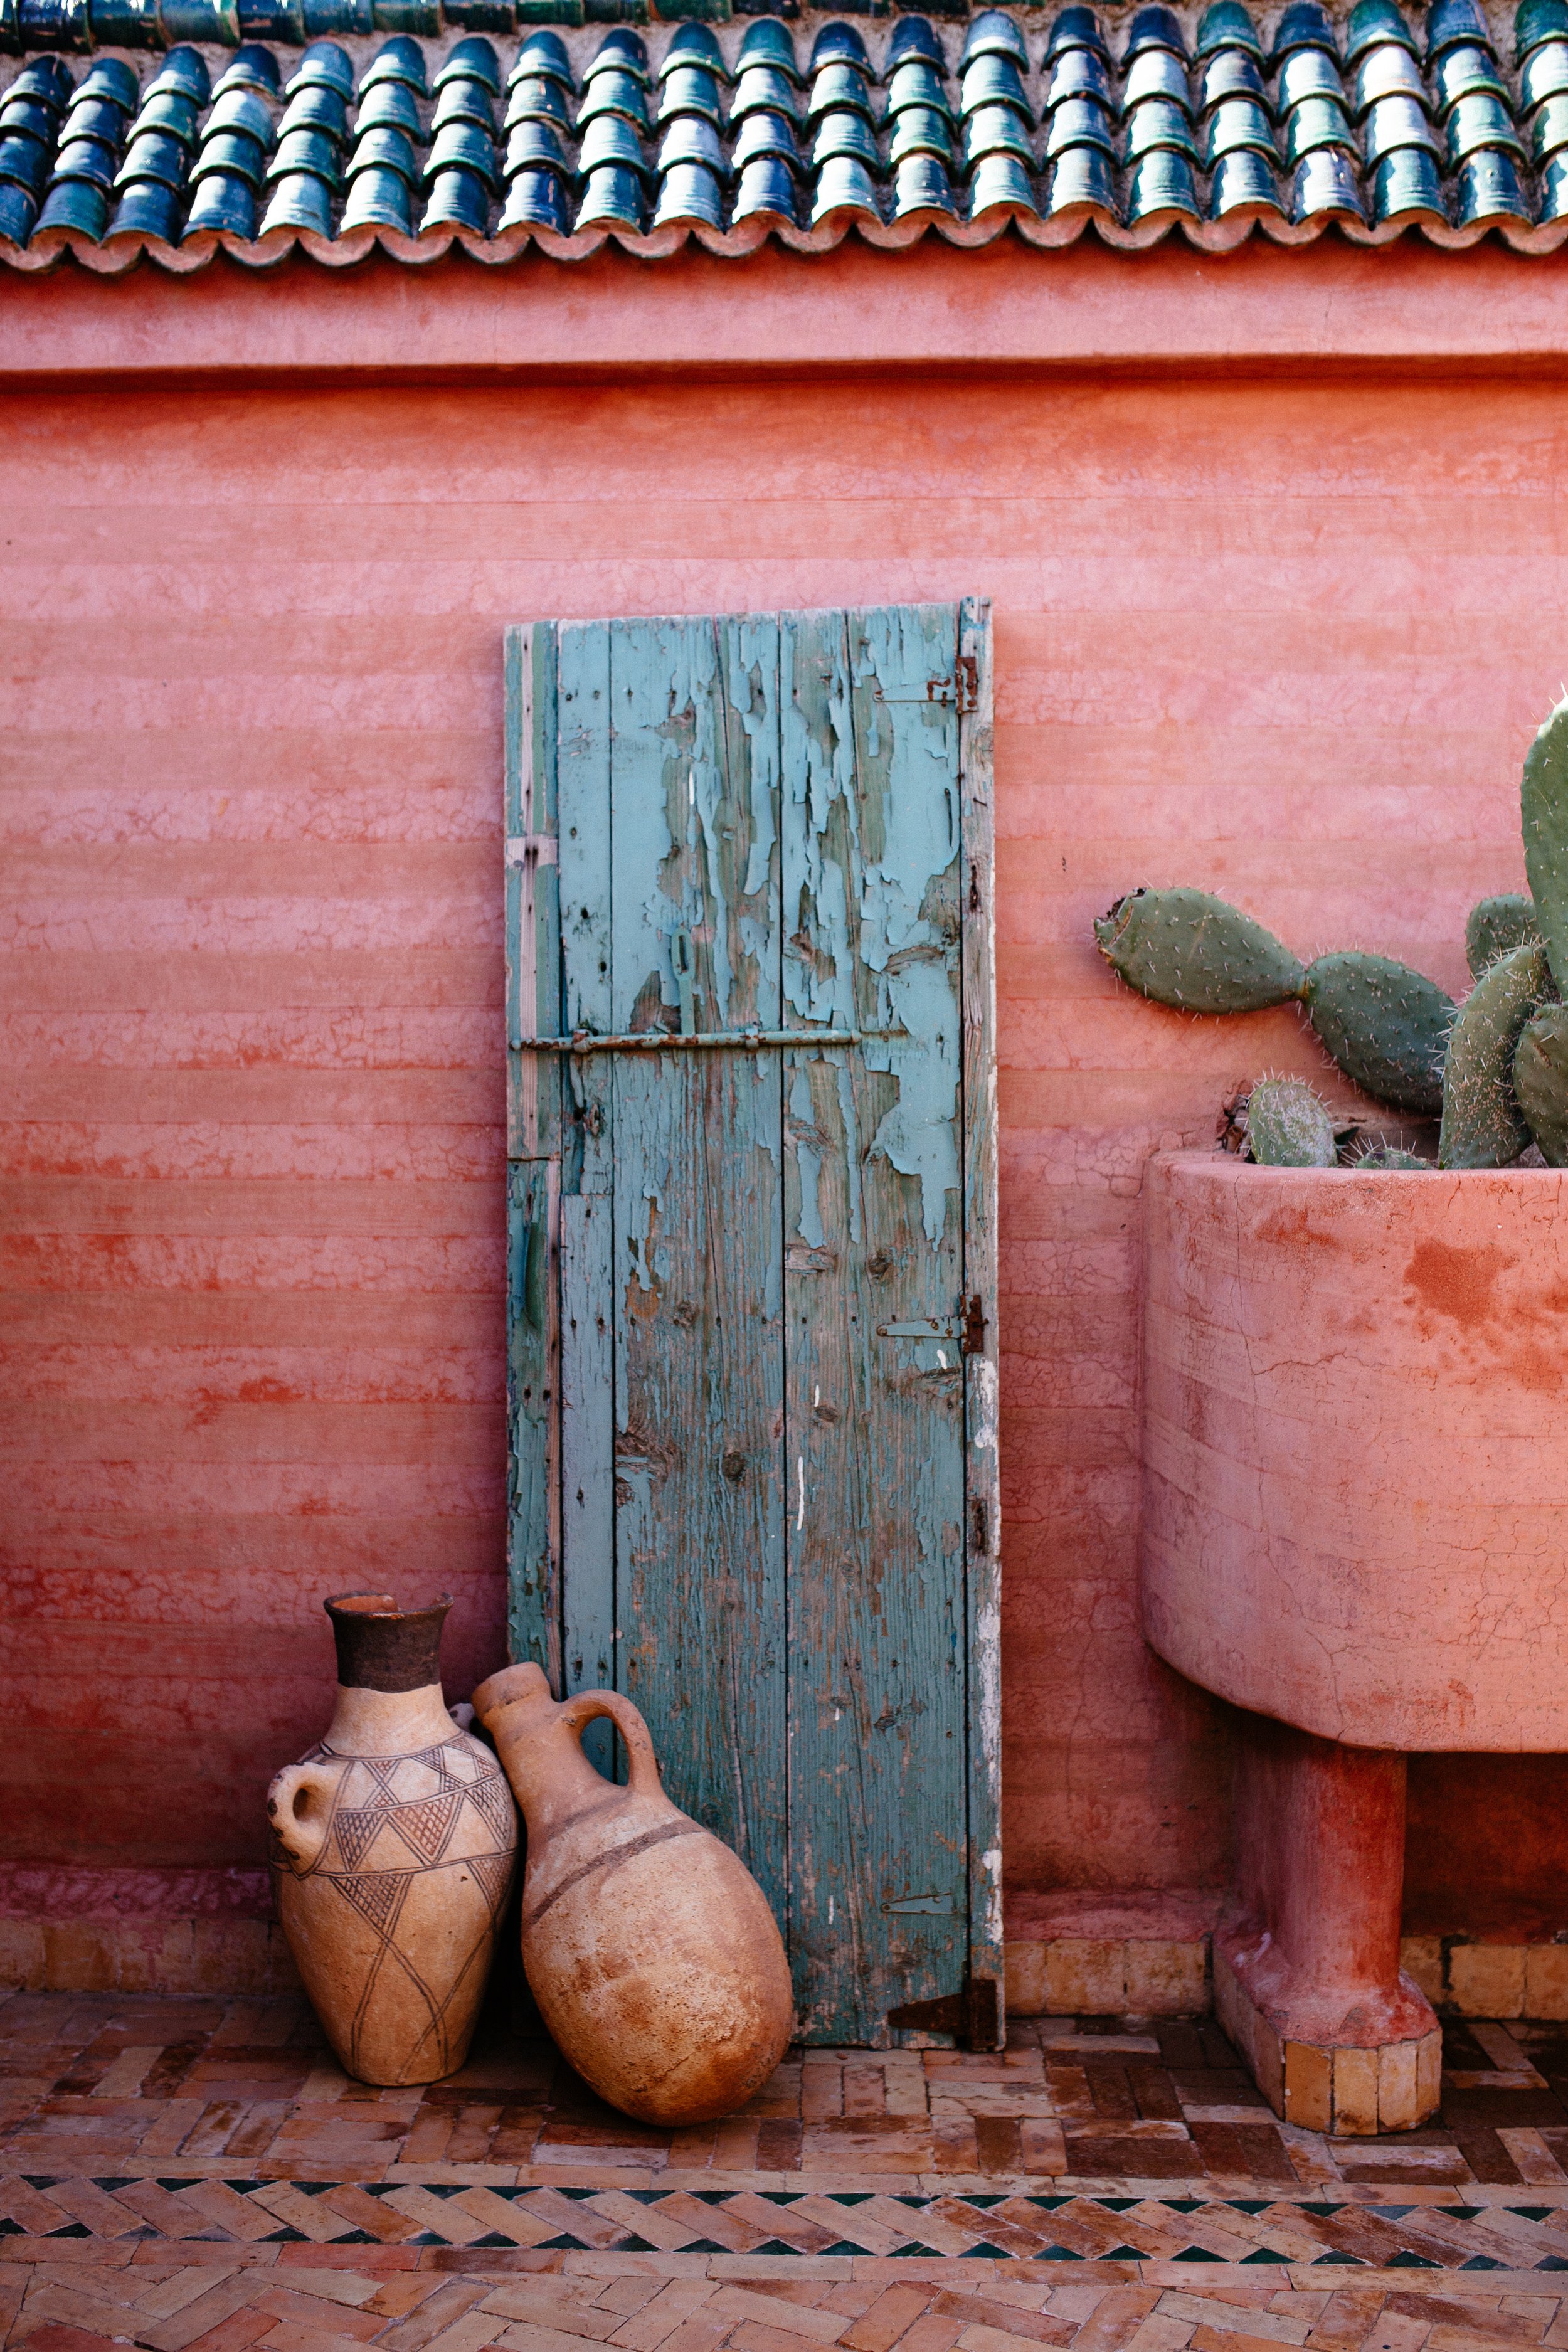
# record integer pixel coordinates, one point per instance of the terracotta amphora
(394, 1846)
(649, 1947)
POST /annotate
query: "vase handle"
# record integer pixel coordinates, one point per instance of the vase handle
(642, 1763)
(299, 1807)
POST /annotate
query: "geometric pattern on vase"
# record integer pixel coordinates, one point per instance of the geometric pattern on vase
(378, 1896)
(426, 1828)
(494, 1872)
(493, 1800)
(422, 1850)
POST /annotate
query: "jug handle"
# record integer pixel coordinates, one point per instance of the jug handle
(303, 1834)
(641, 1762)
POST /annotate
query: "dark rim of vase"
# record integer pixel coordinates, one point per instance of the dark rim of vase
(384, 1647)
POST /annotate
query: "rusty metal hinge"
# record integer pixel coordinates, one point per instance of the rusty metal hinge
(968, 685)
(971, 2016)
(968, 1327)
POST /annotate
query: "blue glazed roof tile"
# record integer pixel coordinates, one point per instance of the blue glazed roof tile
(1396, 124)
(1375, 22)
(922, 130)
(694, 45)
(1386, 71)
(839, 44)
(1244, 185)
(1544, 75)
(255, 148)
(1076, 28)
(913, 39)
(993, 34)
(1227, 25)
(767, 42)
(1078, 73)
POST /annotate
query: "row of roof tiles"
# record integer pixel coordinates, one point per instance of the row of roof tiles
(1375, 129)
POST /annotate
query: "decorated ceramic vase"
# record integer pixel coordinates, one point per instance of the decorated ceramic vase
(649, 1947)
(394, 1846)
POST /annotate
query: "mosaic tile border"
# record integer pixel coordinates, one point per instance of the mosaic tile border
(808, 2224)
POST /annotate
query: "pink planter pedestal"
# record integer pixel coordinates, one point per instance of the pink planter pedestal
(1355, 1526)
(1306, 1955)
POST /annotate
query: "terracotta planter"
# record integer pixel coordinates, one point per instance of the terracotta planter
(1355, 1522)
(649, 1947)
(1355, 1447)
(395, 1843)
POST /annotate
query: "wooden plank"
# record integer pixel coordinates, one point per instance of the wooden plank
(533, 1091)
(700, 1553)
(873, 1235)
(532, 909)
(982, 1519)
(588, 1458)
(587, 1304)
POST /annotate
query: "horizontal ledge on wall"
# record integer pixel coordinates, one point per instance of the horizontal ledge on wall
(1258, 310)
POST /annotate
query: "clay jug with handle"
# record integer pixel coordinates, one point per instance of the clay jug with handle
(649, 1947)
(394, 1848)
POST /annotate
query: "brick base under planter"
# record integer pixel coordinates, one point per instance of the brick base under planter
(1350, 2092)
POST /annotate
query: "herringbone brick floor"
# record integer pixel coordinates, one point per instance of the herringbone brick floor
(198, 2176)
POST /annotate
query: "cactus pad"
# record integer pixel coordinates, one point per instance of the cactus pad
(1496, 927)
(1386, 1025)
(1482, 1124)
(1540, 1081)
(1288, 1126)
(1389, 1155)
(1187, 950)
(1543, 816)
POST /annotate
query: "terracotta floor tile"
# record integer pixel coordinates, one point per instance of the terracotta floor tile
(1115, 2319)
(1139, 2159)
(55, 2336)
(234, 2333)
(1000, 2319)
(898, 2146)
(453, 2300)
(311, 2311)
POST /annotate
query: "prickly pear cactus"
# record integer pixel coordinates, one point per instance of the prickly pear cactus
(1543, 817)
(1541, 1080)
(1483, 1126)
(1390, 1155)
(1386, 1025)
(1495, 928)
(1186, 949)
(1288, 1126)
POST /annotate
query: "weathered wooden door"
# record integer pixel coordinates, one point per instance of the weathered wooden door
(751, 1233)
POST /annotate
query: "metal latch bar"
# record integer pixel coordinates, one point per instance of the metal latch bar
(671, 1041)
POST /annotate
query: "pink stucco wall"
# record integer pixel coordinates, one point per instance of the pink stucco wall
(1284, 634)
